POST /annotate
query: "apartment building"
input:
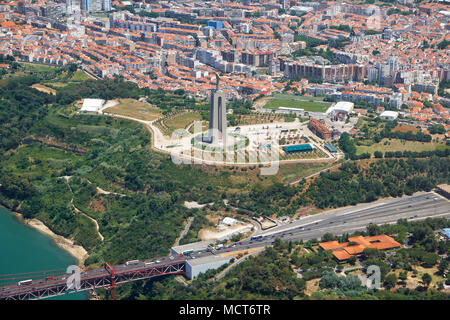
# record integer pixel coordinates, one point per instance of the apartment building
(319, 129)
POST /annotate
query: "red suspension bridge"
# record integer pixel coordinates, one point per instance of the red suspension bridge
(51, 283)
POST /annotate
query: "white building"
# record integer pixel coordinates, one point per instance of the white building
(396, 100)
(301, 9)
(341, 107)
(200, 265)
(229, 221)
(92, 105)
(389, 115)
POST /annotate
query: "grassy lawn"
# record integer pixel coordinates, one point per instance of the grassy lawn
(315, 154)
(256, 118)
(80, 76)
(262, 71)
(372, 126)
(293, 172)
(29, 67)
(135, 109)
(313, 104)
(182, 120)
(399, 145)
(65, 78)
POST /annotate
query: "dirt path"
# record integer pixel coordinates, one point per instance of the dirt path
(185, 231)
(43, 88)
(67, 178)
(317, 173)
(260, 103)
(234, 264)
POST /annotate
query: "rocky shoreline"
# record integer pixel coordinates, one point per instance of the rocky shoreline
(77, 251)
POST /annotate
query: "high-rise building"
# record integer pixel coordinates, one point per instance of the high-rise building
(218, 116)
(87, 5)
(73, 6)
(393, 64)
(106, 5)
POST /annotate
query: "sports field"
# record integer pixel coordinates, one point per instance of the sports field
(312, 104)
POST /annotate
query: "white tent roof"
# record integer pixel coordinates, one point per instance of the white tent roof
(92, 105)
(388, 113)
(341, 106)
(228, 220)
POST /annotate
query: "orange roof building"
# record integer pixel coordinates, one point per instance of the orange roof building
(343, 251)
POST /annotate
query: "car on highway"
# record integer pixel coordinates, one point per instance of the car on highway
(25, 282)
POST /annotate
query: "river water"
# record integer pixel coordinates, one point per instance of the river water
(24, 249)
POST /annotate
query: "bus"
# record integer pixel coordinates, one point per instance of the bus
(132, 262)
(25, 282)
(187, 252)
(256, 237)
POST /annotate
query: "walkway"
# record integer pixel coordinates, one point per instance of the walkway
(67, 178)
(185, 231)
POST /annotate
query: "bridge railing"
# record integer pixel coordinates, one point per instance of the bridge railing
(59, 287)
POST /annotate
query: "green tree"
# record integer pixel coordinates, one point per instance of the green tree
(350, 282)
(378, 154)
(329, 280)
(443, 265)
(426, 279)
(430, 259)
(403, 275)
(328, 237)
(352, 260)
(390, 281)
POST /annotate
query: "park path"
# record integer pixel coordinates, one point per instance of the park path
(185, 231)
(67, 178)
(317, 173)
(234, 264)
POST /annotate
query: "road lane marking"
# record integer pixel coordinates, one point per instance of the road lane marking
(369, 207)
(291, 228)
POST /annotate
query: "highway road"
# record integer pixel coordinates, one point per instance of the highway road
(339, 221)
(350, 219)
